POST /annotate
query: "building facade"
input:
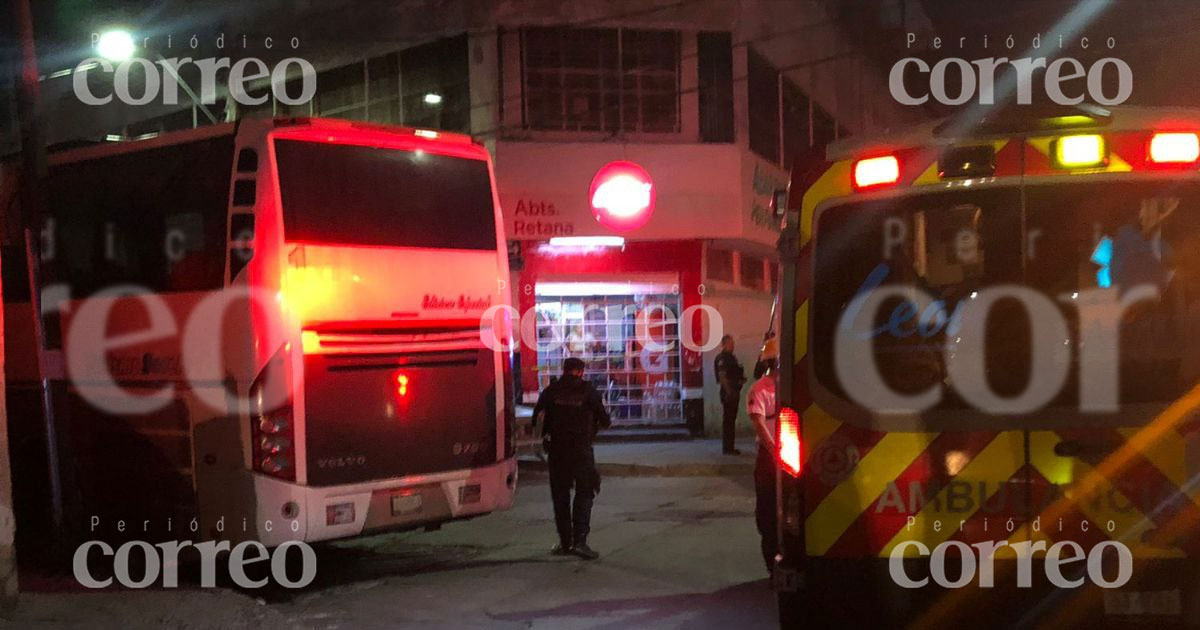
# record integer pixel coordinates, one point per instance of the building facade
(715, 99)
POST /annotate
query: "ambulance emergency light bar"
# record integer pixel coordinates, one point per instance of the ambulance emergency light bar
(1068, 152)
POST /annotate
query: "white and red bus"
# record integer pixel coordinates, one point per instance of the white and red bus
(271, 327)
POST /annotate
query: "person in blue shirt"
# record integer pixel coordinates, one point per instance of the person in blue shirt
(1140, 256)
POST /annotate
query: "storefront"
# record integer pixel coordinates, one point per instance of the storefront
(619, 309)
(597, 298)
(599, 321)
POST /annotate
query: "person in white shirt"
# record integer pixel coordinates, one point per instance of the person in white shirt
(760, 404)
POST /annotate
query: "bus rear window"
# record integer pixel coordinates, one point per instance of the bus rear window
(357, 195)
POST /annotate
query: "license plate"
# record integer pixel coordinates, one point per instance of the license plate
(405, 504)
(1135, 603)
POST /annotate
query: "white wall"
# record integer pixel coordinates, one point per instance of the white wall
(745, 315)
(699, 187)
(800, 37)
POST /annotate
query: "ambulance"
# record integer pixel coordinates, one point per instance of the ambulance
(990, 374)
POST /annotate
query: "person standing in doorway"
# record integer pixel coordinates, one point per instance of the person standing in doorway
(574, 413)
(761, 405)
(730, 377)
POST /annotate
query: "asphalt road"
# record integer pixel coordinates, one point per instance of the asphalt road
(676, 552)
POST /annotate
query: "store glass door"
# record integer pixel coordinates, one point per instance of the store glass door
(639, 378)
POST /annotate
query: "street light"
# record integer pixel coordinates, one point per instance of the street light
(116, 45)
(433, 98)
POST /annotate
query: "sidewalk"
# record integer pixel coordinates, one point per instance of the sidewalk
(688, 458)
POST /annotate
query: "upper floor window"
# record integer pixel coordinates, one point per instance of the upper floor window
(422, 86)
(784, 123)
(720, 264)
(750, 270)
(762, 90)
(600, 79)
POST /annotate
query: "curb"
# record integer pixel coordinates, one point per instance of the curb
(612, 469)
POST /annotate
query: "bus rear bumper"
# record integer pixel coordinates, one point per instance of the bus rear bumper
(327, 513)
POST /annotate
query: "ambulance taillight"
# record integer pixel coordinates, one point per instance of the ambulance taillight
(791, 448)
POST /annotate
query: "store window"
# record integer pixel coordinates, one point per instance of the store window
(640, 383)
(600, 79)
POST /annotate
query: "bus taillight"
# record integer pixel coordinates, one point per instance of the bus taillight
(401, 385)
(272, 425)
(1174, 148)
(310, 341)
(791, 450)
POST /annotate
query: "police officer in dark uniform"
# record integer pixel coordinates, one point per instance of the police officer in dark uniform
(574, 413)
(730, 378)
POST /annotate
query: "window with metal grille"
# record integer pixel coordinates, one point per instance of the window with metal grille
(762, 87)
(639, 382)
(600, 79)
(796, 141)
(716, 86)
(785, 124)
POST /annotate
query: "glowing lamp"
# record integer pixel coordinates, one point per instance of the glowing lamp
(791, 452)
(587, 241)
(401, 385)
(622, 196)
(116, 45)
(1174, 148)
(877, 171)
(1080, 151)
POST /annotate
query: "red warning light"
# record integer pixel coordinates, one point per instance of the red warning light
(876, 172)
(622, 196)
(790, 445)
(402, 385)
